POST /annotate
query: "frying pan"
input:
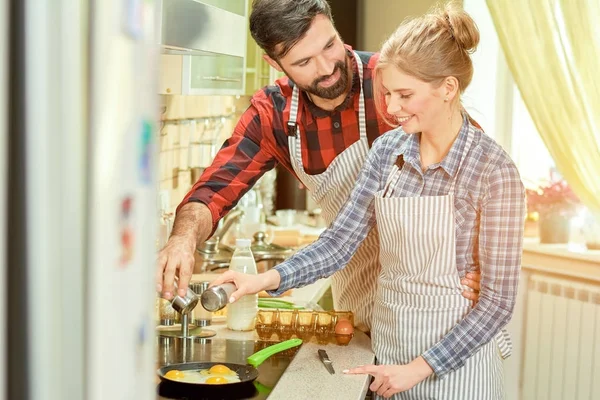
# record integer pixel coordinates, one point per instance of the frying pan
(247, 373)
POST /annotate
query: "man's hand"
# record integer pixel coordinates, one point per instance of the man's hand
(192, 225)
(472, 280)
(176, 258)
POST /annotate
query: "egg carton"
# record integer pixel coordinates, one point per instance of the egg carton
(306, 324)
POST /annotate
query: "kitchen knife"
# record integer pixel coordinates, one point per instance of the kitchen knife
(326, 361)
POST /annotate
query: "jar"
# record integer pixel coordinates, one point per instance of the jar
(217, 297)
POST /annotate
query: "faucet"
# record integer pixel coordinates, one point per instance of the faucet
(213, 255)
(211, 245)
(228, 221)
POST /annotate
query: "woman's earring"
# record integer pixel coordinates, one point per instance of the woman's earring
(446, 99)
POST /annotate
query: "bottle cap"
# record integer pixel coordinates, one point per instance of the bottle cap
(242, 242)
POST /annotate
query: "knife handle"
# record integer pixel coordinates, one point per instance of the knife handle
(323, 355)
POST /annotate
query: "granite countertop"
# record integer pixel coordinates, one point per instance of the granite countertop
(307, 378)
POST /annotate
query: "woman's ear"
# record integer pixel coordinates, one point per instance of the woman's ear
(451, 88)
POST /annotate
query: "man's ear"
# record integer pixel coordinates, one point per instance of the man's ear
(272, 62)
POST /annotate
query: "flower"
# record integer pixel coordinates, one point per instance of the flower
(555, 197)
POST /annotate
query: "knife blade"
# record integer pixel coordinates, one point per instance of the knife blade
(326, 361)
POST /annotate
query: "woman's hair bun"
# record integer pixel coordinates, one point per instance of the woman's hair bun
(462, 27)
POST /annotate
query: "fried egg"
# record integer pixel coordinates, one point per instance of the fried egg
(216, 375)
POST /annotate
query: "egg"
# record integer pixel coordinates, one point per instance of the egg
(344, 332)
(216, 380)
(216, 375)
(221, 370)
(174, 374)
(344, 327)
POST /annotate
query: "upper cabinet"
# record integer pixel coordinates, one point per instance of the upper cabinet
(204, 47)
(208, 50)
(258, 72)
(238, 7)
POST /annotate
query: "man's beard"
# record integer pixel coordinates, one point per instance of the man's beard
(331, 92)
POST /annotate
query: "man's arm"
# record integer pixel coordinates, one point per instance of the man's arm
(192, 226)
(242, 160)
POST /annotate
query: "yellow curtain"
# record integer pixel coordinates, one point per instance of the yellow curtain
(552, 48)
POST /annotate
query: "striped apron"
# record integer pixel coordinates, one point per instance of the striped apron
(419, 296)
(353, 288)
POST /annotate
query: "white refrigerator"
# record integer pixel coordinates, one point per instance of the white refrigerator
(80, 193)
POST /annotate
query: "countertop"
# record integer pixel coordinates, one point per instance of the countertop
(307, 378)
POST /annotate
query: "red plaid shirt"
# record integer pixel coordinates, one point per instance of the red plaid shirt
(260, 139)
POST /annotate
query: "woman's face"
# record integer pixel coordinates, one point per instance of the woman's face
(417, 105)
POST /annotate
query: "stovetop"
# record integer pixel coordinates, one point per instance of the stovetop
(176, 350)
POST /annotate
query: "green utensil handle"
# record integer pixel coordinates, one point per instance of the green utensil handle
(260, 356)
(273, 303)
(262, 389)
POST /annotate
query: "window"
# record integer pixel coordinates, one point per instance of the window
(528, 149)
(493, 99)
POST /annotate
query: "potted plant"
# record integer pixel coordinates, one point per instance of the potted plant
(555, 204)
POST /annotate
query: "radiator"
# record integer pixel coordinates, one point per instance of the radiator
(562, 340)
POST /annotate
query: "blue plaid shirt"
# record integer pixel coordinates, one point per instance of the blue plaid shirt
(489, 208)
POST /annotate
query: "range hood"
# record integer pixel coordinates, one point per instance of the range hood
(190, 27)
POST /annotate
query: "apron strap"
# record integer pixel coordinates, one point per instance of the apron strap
(292, 124)
(362, 119)
(462, 158)
(394, 175)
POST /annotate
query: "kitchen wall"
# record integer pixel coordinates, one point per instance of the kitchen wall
(379, 18)
(192, 129)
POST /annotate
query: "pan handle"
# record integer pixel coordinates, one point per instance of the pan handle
(260, 356)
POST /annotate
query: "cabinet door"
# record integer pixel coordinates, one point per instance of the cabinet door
(213, 74)
(258, 72)
(234, 6)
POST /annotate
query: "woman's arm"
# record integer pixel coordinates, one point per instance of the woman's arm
(336, 245)
(500, 249)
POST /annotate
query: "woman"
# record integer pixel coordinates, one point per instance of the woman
(447, 200)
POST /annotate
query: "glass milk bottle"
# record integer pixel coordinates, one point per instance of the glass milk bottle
(241, 315)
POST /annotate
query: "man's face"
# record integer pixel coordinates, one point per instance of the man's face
(318, 63)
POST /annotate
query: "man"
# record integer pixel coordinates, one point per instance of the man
(319, 122)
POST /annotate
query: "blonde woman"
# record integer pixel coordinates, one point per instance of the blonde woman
(447, 200)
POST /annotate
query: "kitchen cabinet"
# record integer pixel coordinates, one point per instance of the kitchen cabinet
(258, 72)
(204, 47)
(235, 6)
(212, 74)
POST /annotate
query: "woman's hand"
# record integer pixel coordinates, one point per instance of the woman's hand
(392, 379)
(248, 284)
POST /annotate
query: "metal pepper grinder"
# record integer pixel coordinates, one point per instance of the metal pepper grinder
(184, 306)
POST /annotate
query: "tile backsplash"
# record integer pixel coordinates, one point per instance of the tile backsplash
(192, 130)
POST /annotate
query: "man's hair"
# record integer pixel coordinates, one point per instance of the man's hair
(283, 23)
